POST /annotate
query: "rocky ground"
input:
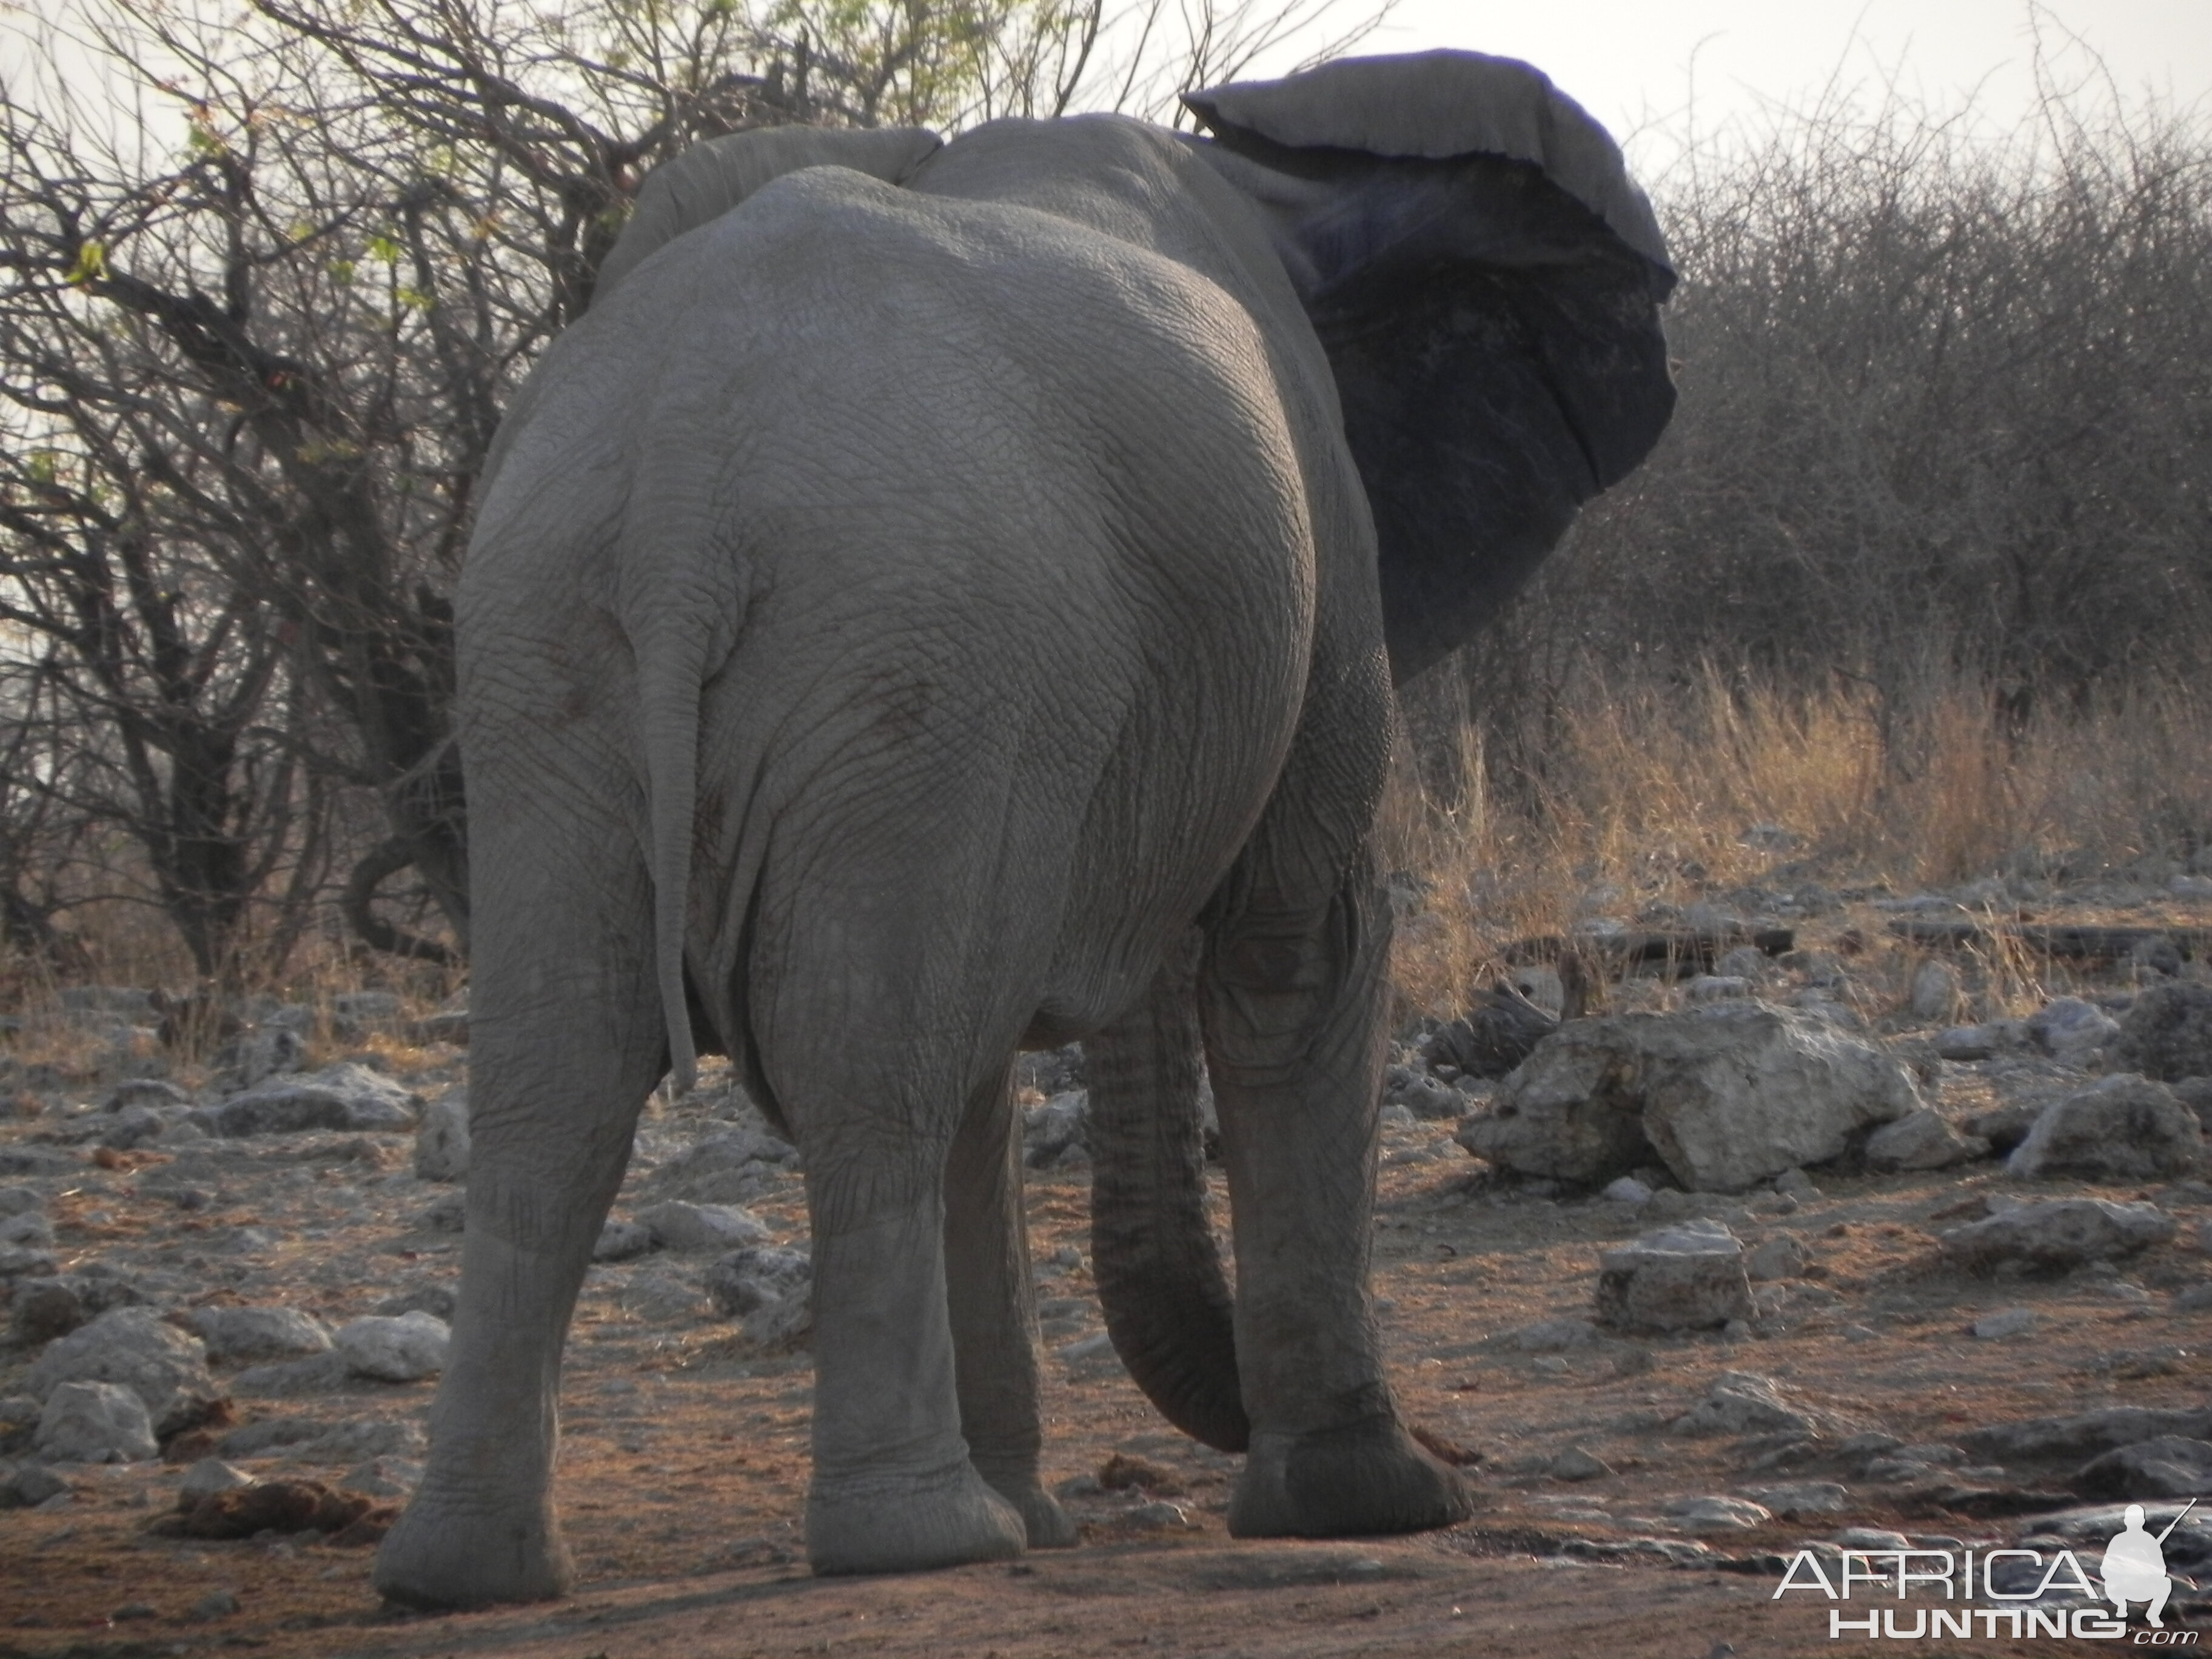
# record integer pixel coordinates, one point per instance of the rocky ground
(1936, 1273)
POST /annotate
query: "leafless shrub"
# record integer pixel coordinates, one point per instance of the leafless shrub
(257, 334)
(1946, 406)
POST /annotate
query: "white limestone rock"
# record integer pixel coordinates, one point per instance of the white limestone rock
(1687, 1276)
(402, 1350)
(2054, 1236)
(344, 1097)
(2170, 1466)
(1050, 1130)
(1934, 992)
(2167, 1032)
(1553, 1335)
(782, 1326)
(1577, 1464)
(384, 1476)
(2070, 1030)
(2118, 1128)
(1744, 1402)
(284, 1379)
(1727, 1096)
(1922, 1139)
(441, 1140)
(206, 1478)
(1798, 1500)
(33, 1486)
(744, 1281)
(30, 1229)
(237, 1336)
(1783, 1256)
(622, 1240)
(94, 1423)
(134, 1347)
(2000, 1326)
(364, 1437)
(677, 1225)
(1715, 1514)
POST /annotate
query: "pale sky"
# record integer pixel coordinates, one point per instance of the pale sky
(1647, 68)
(1637, 62)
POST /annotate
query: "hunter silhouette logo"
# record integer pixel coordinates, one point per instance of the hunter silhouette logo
(2135, 1565)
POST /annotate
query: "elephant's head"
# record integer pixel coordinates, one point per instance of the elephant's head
(1486, 282)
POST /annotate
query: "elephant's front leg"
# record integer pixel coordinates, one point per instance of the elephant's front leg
(894, 1490)
(1294, 1005)
(993, 1300)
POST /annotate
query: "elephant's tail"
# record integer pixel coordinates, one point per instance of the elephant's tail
(671, 672)
(675, 792)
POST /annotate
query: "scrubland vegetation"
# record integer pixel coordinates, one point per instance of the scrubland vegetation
(1656, 791)
(1918, 588)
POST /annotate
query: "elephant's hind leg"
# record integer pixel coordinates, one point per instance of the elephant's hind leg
(893, 967)
(991, 1300)
(893, 1488)
(566, 1042)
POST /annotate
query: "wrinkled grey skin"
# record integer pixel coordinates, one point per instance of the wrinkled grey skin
(944, 600)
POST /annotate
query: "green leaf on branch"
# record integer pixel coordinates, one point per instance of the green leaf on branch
(91, 265)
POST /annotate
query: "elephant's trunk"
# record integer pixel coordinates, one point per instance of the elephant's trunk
(1168, 1307)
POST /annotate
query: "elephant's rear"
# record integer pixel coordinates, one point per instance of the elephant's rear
(986, 601)
(1030, 657)
(986, 551)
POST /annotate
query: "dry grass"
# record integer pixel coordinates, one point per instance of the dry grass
(1652, 793)
(1648, 791)
(128, 944)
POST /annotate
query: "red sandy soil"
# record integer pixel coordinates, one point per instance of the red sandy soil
(683, 1464)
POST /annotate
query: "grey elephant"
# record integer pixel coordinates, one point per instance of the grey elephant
(944, 599)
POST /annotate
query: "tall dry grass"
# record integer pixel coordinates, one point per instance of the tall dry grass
(1658, 792)
(1645, 790)
(125, 942)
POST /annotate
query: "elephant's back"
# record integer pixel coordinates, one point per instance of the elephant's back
(1041, 530)
(1014, 543)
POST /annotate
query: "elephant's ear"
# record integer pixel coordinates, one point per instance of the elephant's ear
(1486, 281)
(709, 179)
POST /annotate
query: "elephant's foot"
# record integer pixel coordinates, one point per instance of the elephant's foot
(874, 1523)
(1368, 1477)
(1049, 1526)
(446, 1554)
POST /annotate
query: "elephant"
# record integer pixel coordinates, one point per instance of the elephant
(942, 599)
